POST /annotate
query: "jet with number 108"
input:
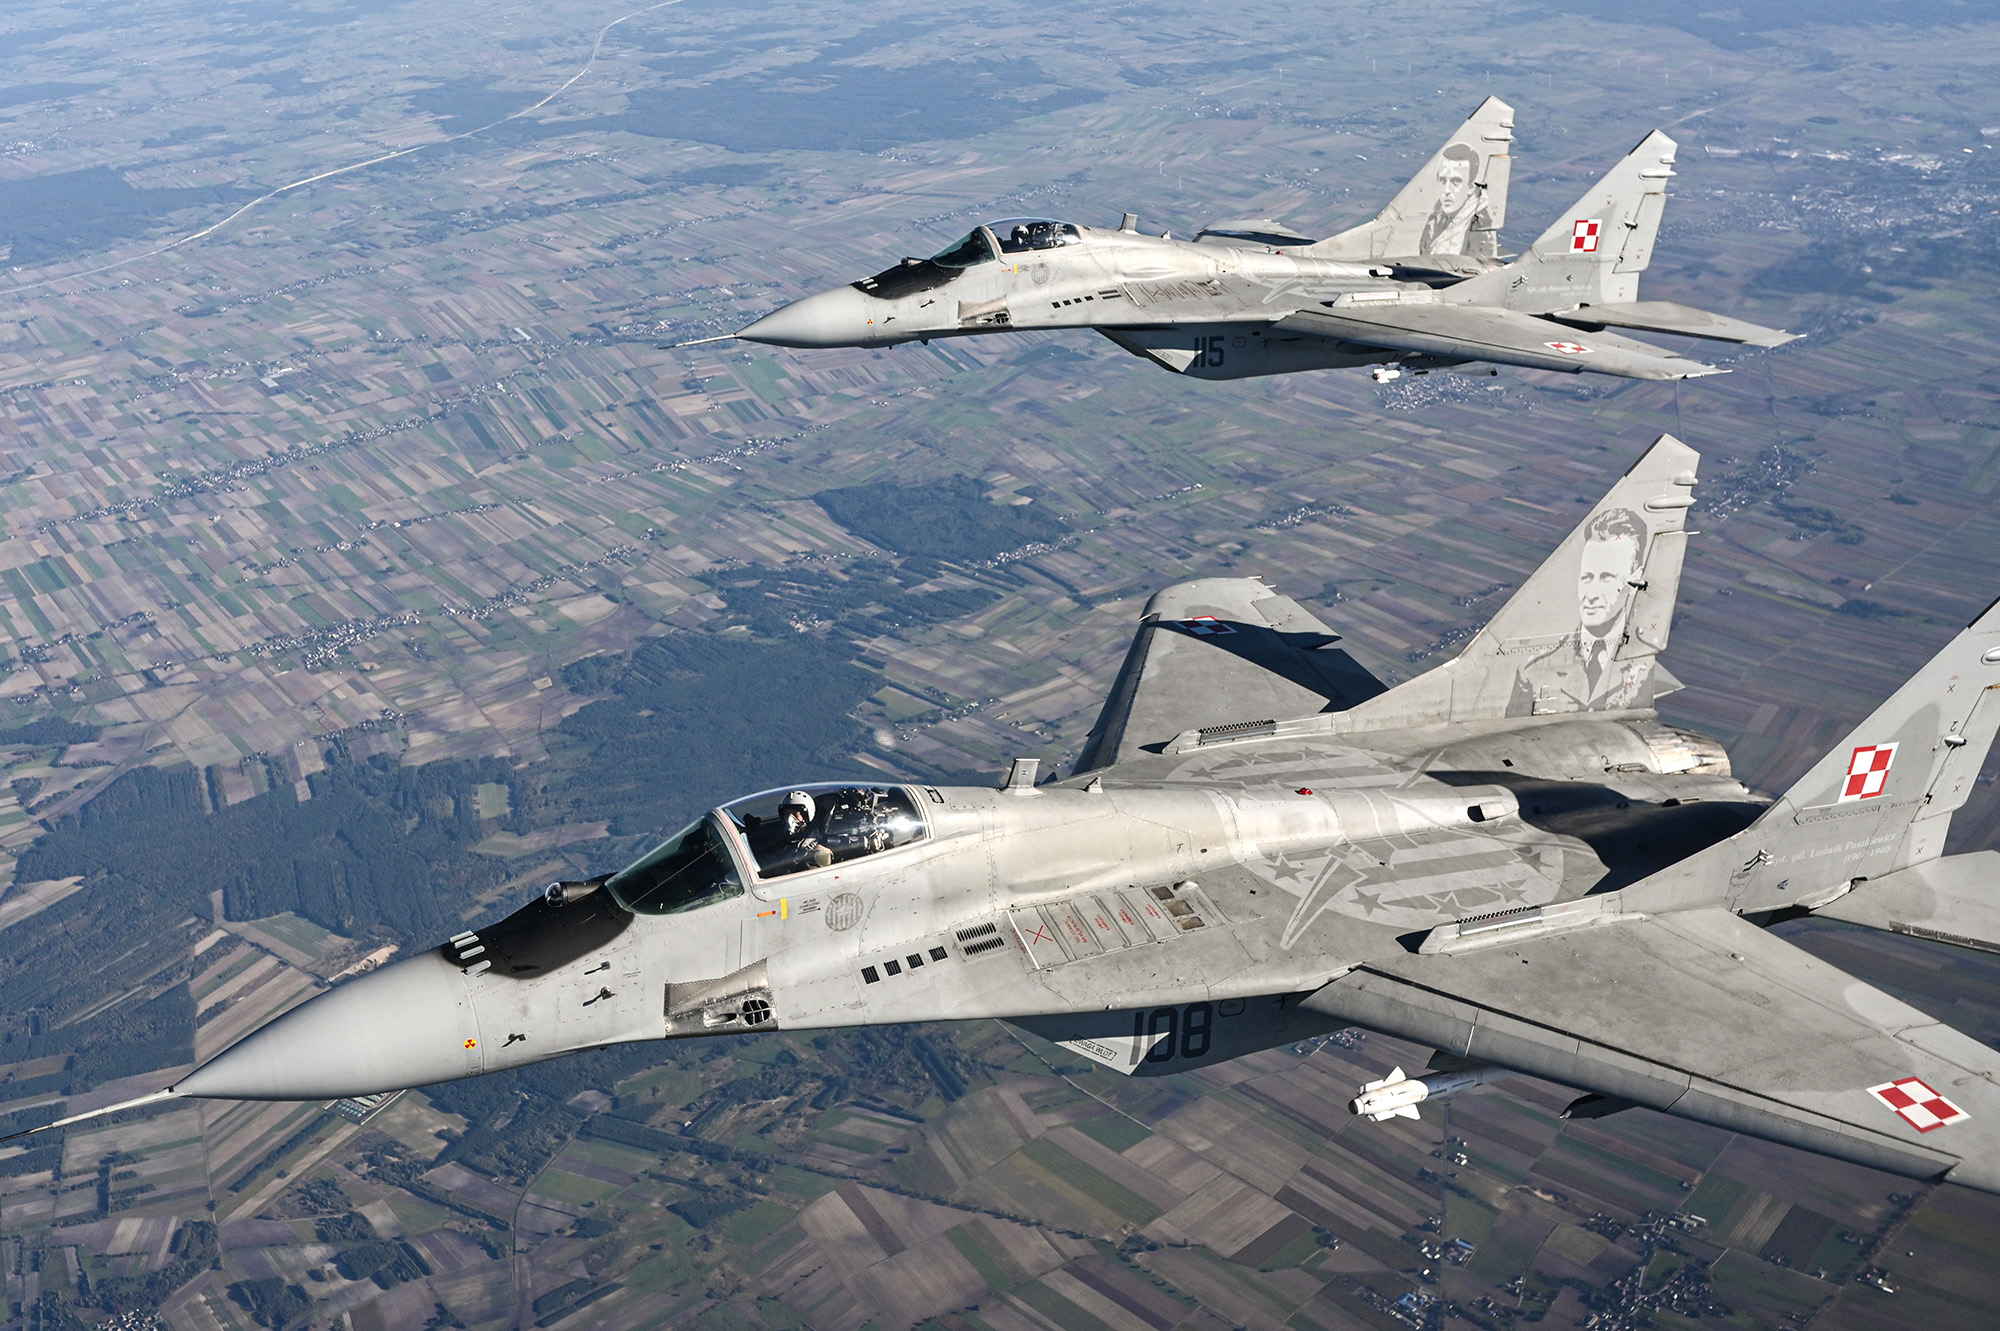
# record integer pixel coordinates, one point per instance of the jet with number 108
(1423, 286)
(1510, 859)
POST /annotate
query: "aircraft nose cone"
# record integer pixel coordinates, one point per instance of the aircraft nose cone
(404, 1025)
(837, 318)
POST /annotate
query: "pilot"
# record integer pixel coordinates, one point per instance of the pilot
(785, 843)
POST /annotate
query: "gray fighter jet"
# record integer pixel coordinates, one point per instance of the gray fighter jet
(1421, 287)
(1510, 859)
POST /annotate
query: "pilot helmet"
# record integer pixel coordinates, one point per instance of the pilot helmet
(799, 800)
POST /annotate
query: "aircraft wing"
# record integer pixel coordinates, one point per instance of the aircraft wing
(1505, 337)
(1221, 651)
(1702, 1015)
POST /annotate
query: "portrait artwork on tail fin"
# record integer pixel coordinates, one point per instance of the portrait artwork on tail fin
(1454, 205)
(1582, 673)
(1459, 196)
(1584, 632)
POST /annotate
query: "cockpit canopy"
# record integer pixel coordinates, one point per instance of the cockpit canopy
(692, 869)
(1018, 235)
(785, 831)
(812, 827)
(914, 275)
(1015, 235)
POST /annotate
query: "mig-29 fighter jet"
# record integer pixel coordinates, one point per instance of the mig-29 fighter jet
(1423, 286)
(1510, 859)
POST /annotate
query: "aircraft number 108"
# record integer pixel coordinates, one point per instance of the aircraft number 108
(1183, 1032)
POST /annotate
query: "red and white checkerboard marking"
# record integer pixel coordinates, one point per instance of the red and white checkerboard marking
(1918, 1105)
(1583, 238)
(1568, 348)
(1867, 772)
(1206, 626)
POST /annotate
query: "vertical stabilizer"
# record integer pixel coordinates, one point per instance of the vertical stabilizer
(1583, 632)
(1455, 205)
(1592, 254)
(1878, 801)
(1890, 788)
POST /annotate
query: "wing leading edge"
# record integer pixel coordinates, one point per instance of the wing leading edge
(1702, 1015)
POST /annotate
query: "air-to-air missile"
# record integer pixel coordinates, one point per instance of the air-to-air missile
(1422, 286)
(1510, 859)
(1397, 1096)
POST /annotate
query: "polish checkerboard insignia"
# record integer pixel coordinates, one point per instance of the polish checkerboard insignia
(1568, 348)
(1867, 772)
(1205, 626)
(1583, 235)
(1918, 1105)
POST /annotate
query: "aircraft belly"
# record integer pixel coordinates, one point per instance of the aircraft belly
(1203, 349)
(1158, 1040)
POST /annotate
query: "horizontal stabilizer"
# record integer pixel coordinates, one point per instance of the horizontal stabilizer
(1468, 332)
(1951, 900)
(1703, 1015)
(1664, 316)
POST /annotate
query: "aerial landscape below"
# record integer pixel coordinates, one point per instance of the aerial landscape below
(394, 525)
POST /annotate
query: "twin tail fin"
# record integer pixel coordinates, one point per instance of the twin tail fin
(1584, 632)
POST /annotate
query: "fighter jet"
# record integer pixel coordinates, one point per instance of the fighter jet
(1510, 859)
(1423, 286)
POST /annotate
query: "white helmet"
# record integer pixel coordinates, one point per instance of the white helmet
(800, 800)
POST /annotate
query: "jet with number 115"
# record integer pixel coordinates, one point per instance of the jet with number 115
(1423, 286)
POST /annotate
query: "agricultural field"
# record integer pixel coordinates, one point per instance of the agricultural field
(369, 561)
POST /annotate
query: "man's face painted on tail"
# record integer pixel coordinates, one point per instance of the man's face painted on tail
(1604, 581)
(1454, 176)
